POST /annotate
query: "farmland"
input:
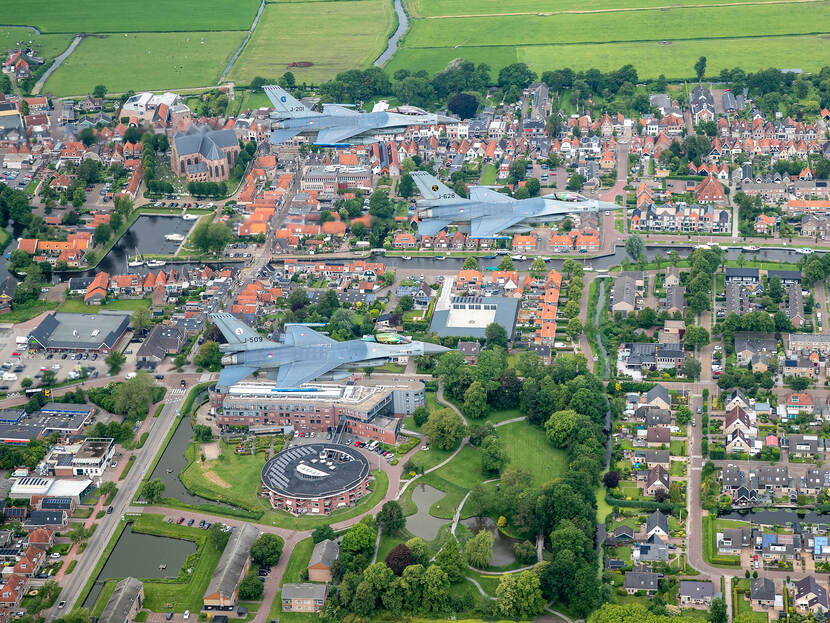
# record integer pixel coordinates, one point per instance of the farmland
(46, 45)
(152, 16)
(606, 35)
(335, 36)
(145, 61)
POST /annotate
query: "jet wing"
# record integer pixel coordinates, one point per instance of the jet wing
(490, 226)
(488, 195)
(239, 335)
(295, 374)
(336, 135)
(337, 109)
(431, 226)
(300, 335)
(231, 375)
(282, 135)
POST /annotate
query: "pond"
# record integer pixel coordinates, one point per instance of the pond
(422, 524)
(502, 546)
(140, 555)
(173, 461)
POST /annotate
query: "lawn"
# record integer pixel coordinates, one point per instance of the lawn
(464, 470)
(154, 16)
(298, 561)
(143, 61)
(603, 508)
(127, 468)
(232, 478)
(678, 469)
(425, 459)
(335, 36)
(76, 305)
(677, 447)
(27, 311)
(387, 544)
(527, 447)
(103, 598)
(488, 175)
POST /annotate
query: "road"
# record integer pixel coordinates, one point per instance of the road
(127, 490)
(56, 64)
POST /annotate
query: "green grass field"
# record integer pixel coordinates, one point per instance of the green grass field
(298, 561)
(231, 478)
(751, 36)
(527, 447)
(151, 16)
(47, 46)
(77, 306)
(427, 8)
(145, 61)
(335, 36)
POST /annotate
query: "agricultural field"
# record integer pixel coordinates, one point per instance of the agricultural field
(145, 61)
(89, 16)
(334, 36)
(606, 35)
(47, 46)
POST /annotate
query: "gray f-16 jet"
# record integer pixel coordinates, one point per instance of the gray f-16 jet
(339, 125)
(306, 354)
(487, 213)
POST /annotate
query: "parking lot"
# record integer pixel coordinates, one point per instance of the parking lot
(346, 439)
(17, 179)
(18, 363)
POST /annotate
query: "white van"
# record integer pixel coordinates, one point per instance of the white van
(373, 445)
(9, 376)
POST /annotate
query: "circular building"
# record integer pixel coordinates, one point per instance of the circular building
(318, 478)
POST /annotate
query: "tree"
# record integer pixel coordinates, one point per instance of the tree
(506, 263)
(717, 612)
(102, 233)
(683, 415)
(418, 547)
(516, 74)
(87, 136)
(611, 479)
(406, 187)
(132, 398)
(451, 561)
(209, 356)
(209, 237)
(217, 536)
(562, 426)
(634, 246)
(436, 588)
(464, 105)
(99, 91)
(399, 559)
(519, 595)
(576, 182)
(538, 267)
(445, 428)
(202, 433)
(696, 336)
(390, 518)
(799, 383)
(493, 455)
(475, 401)
(496, 335)
(479, 549)
(322, 533)
(533, 186)
(571, 309)
(251, 588)
(700, 68)
(470, 263)
(692, 368)
(267, 549)
(574, 328)
(152, 490)
(115, 360)
(420, 416)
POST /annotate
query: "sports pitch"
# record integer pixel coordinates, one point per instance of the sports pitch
(655, 37)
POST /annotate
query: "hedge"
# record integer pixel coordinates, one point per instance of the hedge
(665, 507)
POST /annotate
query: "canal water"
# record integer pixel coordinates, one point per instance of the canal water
(502, 546)
(147, 237)
(777, 516)
(141, 556)
(173, 461)
(422, 524)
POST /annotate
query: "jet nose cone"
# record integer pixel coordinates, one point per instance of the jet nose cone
(434, 349)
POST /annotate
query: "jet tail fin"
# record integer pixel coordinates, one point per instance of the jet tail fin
(239, 335)
(286, 106)
(433, 191)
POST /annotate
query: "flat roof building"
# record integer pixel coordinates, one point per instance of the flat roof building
(124, 603)
(97, 333)
(65, 419)
(316, 479)
(468, 316)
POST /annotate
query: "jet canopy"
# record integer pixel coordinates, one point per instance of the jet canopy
(566, 196)
(387, 338)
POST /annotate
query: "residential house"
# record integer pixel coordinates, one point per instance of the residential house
(322, 559)
(657, 436)
(762, 593)
(306, 597)
(657, 524)
(809, 597)
(658, 396)
(637, 581)
(733, 540)
(799, 402)
(696, 594)
(470, 350)
(657, 481)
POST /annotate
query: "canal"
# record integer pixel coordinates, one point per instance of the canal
(142, 556)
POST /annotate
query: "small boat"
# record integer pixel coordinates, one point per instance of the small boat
(489, 257)
(751, 248)
(805, 251)
(546, 259)
(174, 237)
(518, 258)
(703, 246)
(135, 262)
(155, 263)
(406, 257)
(441, 258)
(191, 217)
(162, 566)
